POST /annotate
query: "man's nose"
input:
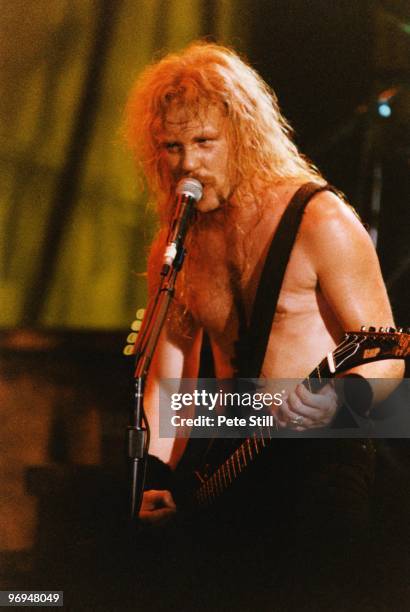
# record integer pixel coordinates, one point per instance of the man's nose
(190, 160)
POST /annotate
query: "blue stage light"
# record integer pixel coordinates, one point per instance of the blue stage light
(384, 109)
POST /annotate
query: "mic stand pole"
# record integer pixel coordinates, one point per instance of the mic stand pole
(138, 429)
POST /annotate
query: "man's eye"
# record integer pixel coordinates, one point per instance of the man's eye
(171, 146)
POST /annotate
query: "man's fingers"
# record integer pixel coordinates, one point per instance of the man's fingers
(296, 407)
(157, 499)
(305, 410)
(321, 399)
(294, 420)
(157, 507)
(169, 500)
(160, 515)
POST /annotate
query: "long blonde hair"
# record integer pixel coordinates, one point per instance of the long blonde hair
(207, 73)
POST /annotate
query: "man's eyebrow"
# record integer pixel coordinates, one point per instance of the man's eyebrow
(168, 140)
(207, 131)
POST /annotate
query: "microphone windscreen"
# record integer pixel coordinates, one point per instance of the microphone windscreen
(190, 187)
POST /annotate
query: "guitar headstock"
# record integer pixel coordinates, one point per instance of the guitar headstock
(370, 344)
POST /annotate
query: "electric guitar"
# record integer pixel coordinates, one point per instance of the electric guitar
(356, 348)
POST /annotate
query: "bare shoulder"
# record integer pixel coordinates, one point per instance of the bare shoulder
(345, 262)
(330, 225)
(327, 209)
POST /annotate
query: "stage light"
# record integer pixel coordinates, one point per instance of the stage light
(384, 109)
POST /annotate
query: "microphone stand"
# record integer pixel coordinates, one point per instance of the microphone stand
(138, 429)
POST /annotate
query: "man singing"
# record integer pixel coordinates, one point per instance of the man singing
(206, 114)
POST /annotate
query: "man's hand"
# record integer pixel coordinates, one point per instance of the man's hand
(304, 410)
(157, 507)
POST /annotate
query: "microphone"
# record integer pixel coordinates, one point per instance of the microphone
(189, 191)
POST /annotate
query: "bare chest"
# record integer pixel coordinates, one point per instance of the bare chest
(222, 275)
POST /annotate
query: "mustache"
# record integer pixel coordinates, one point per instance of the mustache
(204, 180)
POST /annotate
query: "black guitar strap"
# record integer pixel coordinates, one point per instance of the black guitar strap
(251, 348)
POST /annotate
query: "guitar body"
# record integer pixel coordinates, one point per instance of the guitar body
(227, 464)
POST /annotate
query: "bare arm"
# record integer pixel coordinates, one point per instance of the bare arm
(349, 274)
(342, 257)
(174, 359)
(176, 356)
